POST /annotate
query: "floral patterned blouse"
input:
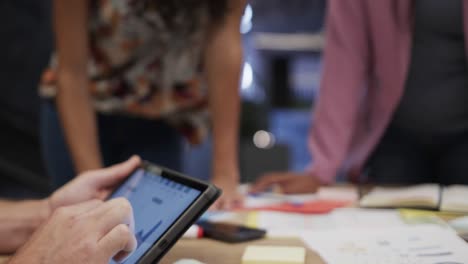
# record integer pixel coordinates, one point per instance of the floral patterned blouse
(137, 60)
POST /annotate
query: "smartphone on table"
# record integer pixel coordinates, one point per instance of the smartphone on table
(230, 233)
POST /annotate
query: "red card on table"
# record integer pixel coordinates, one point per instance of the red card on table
(312, 207)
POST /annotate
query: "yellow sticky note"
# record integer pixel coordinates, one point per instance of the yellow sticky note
(252, 220)
(274, 255)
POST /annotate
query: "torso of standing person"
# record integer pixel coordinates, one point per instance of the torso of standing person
(370, 77)
(138, 56)
(435, 99)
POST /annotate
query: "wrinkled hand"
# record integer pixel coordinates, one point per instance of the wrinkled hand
(230, 198)
(95, 184)
(289, 182)
(89, 232)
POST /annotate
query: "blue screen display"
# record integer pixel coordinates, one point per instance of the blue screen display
(157, 202)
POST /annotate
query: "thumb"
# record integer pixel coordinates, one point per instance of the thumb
(118, 244)
(112, 175)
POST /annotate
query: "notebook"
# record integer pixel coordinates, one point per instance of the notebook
(425, 196)
(455, 199)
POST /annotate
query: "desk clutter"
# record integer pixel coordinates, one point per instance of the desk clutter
(350, 232)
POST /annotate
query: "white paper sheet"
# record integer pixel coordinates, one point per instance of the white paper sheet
(413, 245)
(460, 224)
(280, 224)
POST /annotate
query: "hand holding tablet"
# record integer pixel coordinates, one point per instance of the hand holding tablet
(165, 204)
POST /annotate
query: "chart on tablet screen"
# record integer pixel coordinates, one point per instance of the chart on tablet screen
(157, 202)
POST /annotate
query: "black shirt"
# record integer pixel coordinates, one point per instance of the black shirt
(435, 101)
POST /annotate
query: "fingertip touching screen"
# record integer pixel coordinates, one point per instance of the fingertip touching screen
(157, 203)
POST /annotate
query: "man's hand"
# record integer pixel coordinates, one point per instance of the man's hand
(230, 198)
(288, 182)
(90, 232)
(96, 184)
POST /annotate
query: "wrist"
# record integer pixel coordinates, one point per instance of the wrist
(87, 162)
(228, 172)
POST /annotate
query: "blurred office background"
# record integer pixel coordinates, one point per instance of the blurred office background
(282, 41)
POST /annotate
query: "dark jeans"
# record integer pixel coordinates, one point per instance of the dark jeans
(402, 158)
(119, 136)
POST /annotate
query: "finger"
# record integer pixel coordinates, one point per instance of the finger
(111, 176)
(83, 207)
(118, 243)
(112, 213)
(300, 185)
(290, 189)
(233, 201)
(238, 202)
(227, 204)
(217, 205)
(265, 182)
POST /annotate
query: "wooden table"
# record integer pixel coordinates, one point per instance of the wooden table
(213, 252)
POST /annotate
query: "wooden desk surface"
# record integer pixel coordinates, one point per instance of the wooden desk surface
(213, 252)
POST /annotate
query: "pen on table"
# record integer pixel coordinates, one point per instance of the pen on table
(195, 231)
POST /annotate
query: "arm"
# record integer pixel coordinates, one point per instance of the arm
(223, 58)
(345, 71)
(73, 99)
(18, 220)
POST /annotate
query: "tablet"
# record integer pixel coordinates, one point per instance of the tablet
(165, 204)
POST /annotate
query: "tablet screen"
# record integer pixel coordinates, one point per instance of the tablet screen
(157, 203)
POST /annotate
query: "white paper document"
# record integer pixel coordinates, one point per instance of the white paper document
(293, 225)
(400, 245)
